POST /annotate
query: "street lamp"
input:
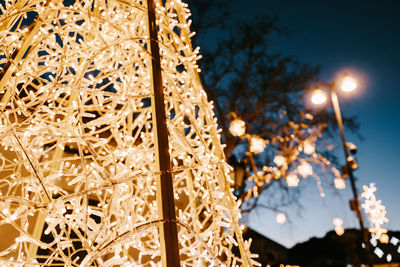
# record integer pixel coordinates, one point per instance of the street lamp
(346, 84)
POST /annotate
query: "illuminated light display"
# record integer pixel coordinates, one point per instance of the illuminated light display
(308, 148)
(257, 145)
(79, 139)
(279, 160)
(348, 84)
(237, 127)
(376, 213)
(292, 180)
(305, 169)
(318, 97)
(340, 183)
(338, 223)
(281, 218)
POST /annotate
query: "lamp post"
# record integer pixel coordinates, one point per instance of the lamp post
(347, 84)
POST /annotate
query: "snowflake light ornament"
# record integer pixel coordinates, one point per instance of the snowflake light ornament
(376, 212)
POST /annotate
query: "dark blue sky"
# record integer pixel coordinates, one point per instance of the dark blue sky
(363, 36)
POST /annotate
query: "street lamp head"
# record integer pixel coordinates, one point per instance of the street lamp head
(348, 84)
(318, 97)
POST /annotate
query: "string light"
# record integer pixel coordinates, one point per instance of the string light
(279, 160)
(237, 127)
(292, 180)
(257, 144)
(293, 157)
(338, 223)
(78, 141)
(340, 183)
(281, 218)
(308, 147)
(305, 169)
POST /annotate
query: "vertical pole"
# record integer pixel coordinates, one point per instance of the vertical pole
(336, 108)
(165, 192)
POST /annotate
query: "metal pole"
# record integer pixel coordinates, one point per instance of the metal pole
(336, 108)
(165, 192)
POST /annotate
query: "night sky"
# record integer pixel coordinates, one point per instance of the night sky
(362, 37)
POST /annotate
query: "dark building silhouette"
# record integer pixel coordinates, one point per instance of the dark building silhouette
(269, 252)
(334, 250)
(330, 250)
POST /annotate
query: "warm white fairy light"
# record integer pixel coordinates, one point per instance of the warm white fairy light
(340, 183)
(297, 155)
(237, 127)
(257, 144)
(77, 139)
(305, 169)
(376, 212)
(279, 160)
(308, 147)
(292, 180)
(338, 223)
(281, 218)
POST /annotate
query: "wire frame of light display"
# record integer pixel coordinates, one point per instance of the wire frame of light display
(80, 139)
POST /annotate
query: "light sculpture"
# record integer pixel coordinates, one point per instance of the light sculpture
(96, 96)
(376, 213)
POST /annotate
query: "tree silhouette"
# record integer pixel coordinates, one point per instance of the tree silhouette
(259, 100)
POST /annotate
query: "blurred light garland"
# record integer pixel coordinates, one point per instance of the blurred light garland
(376, 212)
(77, 139)
(296, 157)
(338, 223)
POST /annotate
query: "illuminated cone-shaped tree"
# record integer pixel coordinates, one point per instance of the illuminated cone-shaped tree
(110, 153)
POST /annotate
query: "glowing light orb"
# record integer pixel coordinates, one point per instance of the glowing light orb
(318, 97)
(348, 84)
(305, 169)
(339, 229)
(292, 180)
(281, 218)
(340, 183)
(279, 160)
(376, 213)
(237, 127)
(308, 147)
(257, 144)
(384, 238)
